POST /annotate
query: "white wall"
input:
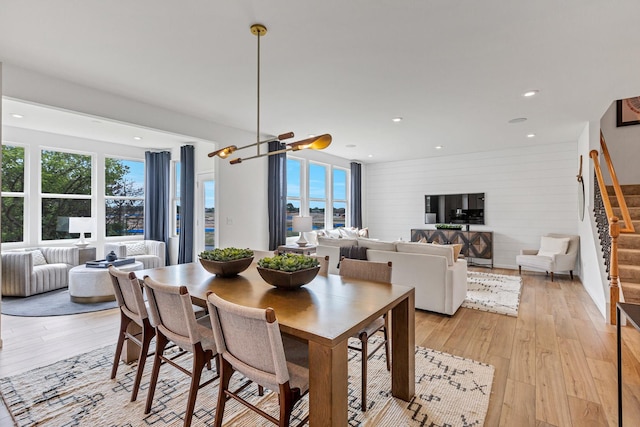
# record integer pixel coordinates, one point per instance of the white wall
(624, 147)
(529, 192)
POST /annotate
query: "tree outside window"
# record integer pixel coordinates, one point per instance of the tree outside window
(124, 197)
(12, 193)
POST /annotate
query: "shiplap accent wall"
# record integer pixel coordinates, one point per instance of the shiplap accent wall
(529, 191)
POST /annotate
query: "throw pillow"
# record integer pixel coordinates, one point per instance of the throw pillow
(137, 248)
(423, 240)
(363, 232)
(550, 246)
(348, 233)
(457, 248)
(334, 234)
(38, 258)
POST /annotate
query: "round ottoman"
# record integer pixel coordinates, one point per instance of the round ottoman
(89, 285)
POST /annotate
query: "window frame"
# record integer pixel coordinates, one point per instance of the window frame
(106, 197)
(26, 211)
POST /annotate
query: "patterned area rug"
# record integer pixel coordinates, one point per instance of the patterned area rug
(496, 293)
(450, 391)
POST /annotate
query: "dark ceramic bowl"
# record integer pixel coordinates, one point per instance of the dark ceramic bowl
(288, 280)
(226, 268)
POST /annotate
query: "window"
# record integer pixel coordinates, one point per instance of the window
(13, 194)
(209, 198)
(294, 196)
(124, 197)
(339, 197)
(312, 188)
(65, 190)
(176, 198)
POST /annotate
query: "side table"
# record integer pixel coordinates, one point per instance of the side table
(304, 250)
(632, 313)
(87, 254)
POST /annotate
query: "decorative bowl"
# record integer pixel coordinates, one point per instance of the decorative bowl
(226, 268)
(286, 279)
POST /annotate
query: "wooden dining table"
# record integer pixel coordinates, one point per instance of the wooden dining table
(324, 313)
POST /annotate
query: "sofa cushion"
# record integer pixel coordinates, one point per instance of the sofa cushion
(328, 241)
(550, 246)
(38, 258)
(427, 248)
(376, 244)
(137, 248)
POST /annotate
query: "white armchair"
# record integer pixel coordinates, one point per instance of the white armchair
(150, 253)
(38, 270)
(558, 252)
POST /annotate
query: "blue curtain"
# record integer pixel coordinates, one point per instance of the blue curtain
(277, 194)
(356, 195)
(187, 210)
(157, 198)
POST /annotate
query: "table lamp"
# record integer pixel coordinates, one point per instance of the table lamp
(81, 225)
(302, 224)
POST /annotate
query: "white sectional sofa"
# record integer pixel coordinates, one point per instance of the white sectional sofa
(439, 278)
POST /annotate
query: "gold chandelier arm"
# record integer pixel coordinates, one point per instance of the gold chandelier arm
(314, 143)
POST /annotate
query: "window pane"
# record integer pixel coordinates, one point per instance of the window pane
(12, 169)
(317, 181)
(124, 177)
(339, 184)
(65, 173)
(293, 209)
(293, 177)
(178, 217)
(209, 215)
(316, 210)
(55, 214)
(178, 180)
(12, 219)
(339, 212)
(124, 217)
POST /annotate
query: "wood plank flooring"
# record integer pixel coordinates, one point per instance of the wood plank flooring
(555, 363)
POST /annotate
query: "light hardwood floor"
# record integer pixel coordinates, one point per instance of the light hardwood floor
(555, 363)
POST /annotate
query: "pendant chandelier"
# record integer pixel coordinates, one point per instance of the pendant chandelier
(313, 143)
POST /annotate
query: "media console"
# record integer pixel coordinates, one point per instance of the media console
(476, 245)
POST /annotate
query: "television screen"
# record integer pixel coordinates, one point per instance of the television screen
(454, 208)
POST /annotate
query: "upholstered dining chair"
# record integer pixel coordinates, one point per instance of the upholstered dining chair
(376, 272)
(173, 317)
(324, 265)
(249, 341)
(128, 291)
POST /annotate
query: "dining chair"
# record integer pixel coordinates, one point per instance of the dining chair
(175, 321)
(128, 291)
(376, 272)
(323, 261)
(249, 342)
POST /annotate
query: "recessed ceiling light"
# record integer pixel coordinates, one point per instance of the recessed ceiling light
(518, 120)
(137, 138)
(350, 145)
(438, 147)
(530, 93)
(397, 119)
(17, 116)
(531, 135)
(370, 155)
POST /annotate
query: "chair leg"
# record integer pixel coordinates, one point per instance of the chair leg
(364, 340)
(226, 371)
(552, 276)
(147, 335)
(286, 405)
(124, 323)
(199, 362)
(571, 274)
(520, 270)
(161, 343)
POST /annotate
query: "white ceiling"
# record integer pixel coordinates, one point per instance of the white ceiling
(454, 70)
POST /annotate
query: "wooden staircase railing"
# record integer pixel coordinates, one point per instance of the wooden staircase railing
(614, 226)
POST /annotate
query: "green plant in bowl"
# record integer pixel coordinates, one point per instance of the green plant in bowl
(226, 262)
(288, 271)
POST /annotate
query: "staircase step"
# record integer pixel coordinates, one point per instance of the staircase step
(634, 213)
(631, 189)
(633, 201)
(629, 256)
(629, 241)
(631, 292)
(628, 272)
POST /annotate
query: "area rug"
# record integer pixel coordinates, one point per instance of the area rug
(450, 391)
(496, 293)
(52, 303)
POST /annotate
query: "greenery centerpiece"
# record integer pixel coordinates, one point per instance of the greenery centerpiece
(449, 226)
(226, 262)
(288, 270)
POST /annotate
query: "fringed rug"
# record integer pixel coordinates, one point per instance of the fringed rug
(496, 293)
(450, 391)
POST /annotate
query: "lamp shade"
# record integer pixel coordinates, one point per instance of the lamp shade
(81, 225)
(302, 223)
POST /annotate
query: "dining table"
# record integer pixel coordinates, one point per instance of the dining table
(324, 313)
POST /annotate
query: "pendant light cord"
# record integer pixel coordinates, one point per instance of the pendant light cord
(258, 98)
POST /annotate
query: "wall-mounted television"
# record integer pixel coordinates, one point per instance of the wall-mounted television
(454, 208)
